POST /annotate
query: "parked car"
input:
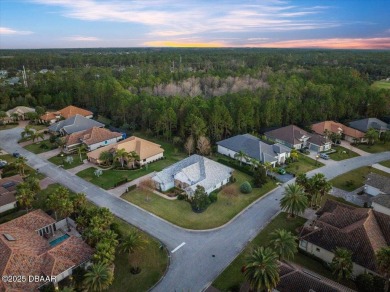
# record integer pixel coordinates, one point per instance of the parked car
(3, 163)
(16, 154)
(324, 156)
(281, 171)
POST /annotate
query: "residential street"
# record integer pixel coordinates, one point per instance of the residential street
(193, 266)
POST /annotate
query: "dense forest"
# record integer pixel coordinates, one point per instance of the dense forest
(213, 92)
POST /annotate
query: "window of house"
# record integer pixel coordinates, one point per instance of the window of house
(303, 243)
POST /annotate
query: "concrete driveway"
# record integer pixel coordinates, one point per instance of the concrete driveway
(196, 257)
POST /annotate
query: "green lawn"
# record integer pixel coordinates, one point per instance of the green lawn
(180, 213)
(354, 179)
(28, 170)
(8, 126)
(339, 155)
(381, 84)
(60, 160)
(377, 147)
(231, 278)
(38, 127)
(385, 163)
(36, 147)
(303, 165)
(153, 263)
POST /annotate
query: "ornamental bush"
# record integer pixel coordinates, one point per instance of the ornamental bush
(246, 188)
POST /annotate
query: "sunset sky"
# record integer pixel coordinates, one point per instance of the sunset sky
(355, 24)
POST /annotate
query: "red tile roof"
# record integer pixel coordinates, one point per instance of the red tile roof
(31, 254)
(91, 136)
(49, 116)
(361, 230)
(72, 110)
(334, 127)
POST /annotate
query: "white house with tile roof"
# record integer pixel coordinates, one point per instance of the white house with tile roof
(192, 171)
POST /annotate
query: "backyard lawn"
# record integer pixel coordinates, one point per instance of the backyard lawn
(354, 179)
(61, 160)
(231, 278)
(381, 84)
(385, 163)
(37, 149)
(342, 153)
(38, 127)
(377, 147)
(303, 165)
(180, 213)
(153, 263)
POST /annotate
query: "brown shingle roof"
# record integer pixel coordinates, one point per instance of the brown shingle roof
(291, 134)
(142, 147)
(361, 230)
(334, 127)
(31, 254)
(7, 191)
(382, 199)
(91, 136)
(378, 181)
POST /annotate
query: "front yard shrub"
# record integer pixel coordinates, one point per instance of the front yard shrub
(121, 182)
(181, 197)
(213, 197)
(259, 177)
(365, 282)
(200, 201)
(131, 188)
(246, 188)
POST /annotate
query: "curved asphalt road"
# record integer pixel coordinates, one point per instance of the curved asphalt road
(193, 266)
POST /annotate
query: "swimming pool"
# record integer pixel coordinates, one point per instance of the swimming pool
(58, 240)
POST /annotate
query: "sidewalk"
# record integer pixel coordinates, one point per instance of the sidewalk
(86, 164)
(347, 145)
(381, 167)
(49, 154)
(118, 191)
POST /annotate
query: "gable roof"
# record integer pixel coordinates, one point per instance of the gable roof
(195, 170)
(361, 230)
(253, 147)
(21, 110)
(72, 110)
(48, 116)
(31, 254)
(8, 189)
(142, 147)
(335, 127)
(382, 199)
(365, 124)
(293, 135)
(91, 136)
(378, 181)
(74, 124)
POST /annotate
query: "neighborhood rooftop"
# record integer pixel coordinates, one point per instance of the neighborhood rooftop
(361, 230)
(365, 124)
(378, 181)
(382, 199)
(335, 127)
(91, 136)
(74, 124)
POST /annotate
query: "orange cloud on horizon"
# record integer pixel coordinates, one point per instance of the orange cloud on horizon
(332, 43)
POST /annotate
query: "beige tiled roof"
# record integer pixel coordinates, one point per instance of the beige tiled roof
(31, 254)
(334, 127)
(361, 230)
(142, 147)
(91, 136)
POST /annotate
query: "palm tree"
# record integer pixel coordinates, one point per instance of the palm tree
(342, 263)
(28, 131)
(371, 135)
(132, 157)
(284, 243)
(383, 261)
(267, 166)
(20, 164)
(105, 157)
(81, 150)
(36, 135)
(66, 209)
(55, 200)
(294, 154)
(241, 156)
(98, 277)
(320, 187)
(121, 155)
(294, 200)
(261, 269)
(33, 183)
(25, 196)
(132, 242)
(79, 201)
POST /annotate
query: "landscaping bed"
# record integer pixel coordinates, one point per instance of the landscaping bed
(179, 212)
(354, 179)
